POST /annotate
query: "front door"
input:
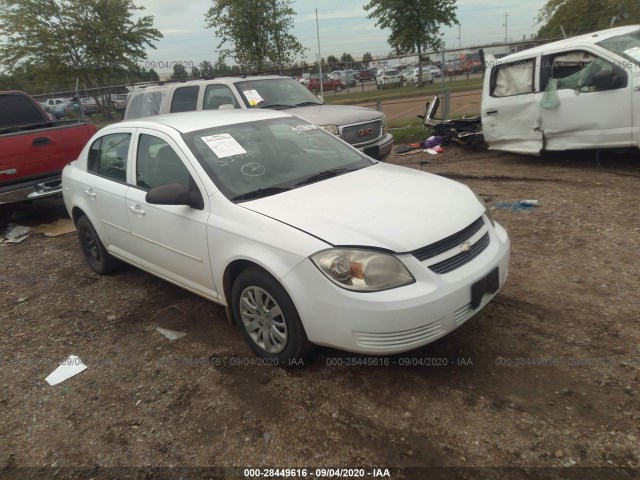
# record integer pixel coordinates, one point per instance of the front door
(171, 239)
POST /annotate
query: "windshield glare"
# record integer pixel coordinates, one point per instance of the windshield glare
(627, 46)
(275, 92)
(283, 152)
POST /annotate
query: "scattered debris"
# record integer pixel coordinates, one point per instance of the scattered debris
(16, 234)
(526, 205)
(267, 438)
(21, 299)
(171, 334)
(67, 369)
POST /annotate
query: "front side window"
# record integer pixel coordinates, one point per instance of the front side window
(580, 70)
(108, 156)
(268, 156)
(144, 104)
(217, 95)
(512, 79)
(159, 164)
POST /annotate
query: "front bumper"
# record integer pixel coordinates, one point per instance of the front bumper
(379, 150)
(396, 320)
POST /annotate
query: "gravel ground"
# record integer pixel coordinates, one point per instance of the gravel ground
(545, 379)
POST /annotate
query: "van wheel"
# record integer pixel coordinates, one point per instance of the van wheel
(100, 261)
(267, 317)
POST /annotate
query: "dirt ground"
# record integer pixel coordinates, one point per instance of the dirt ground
(545, 380)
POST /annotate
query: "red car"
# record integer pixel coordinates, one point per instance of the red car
(328, 84)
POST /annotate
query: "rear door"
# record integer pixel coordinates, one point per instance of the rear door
(510, 113)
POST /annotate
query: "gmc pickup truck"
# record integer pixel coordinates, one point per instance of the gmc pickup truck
(34, 148)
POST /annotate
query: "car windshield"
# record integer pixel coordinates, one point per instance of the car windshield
(627, 46)
(275, 93)
(254, 159)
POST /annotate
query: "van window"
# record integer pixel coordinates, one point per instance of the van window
(218, 95)
(512, 79)
(185, 99)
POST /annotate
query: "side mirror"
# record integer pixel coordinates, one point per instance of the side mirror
(174, 194)
(604, 79)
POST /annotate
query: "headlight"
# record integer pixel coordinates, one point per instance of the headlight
(362, 270)
(330, 128)
(487, 212)
(384, 124)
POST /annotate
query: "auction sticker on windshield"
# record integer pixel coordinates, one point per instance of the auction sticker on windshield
(224, 145)
(633, 53)
(253, 97)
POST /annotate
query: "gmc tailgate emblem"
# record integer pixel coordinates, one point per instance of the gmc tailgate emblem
(365, 131)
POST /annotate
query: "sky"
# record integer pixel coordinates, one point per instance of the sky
(343, 27)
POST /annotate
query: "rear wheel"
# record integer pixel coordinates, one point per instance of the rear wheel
(267, 317)
(338, 89)
(94, 252)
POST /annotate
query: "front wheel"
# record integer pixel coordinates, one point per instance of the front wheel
(338, 89)
(267, 317)
(93, 250)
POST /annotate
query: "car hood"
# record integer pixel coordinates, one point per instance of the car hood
(335, 114)
(382, 206)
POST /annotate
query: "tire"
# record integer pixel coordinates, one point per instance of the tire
(338, 89)
(279, 337)
(93, 250)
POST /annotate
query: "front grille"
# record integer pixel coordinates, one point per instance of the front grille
(448, 243)
(362, 133)
(461, 259)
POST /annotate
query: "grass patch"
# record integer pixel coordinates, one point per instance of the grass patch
(356, 95)
(407, 131)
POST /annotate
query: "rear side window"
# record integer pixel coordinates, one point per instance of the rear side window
(144, 104)
(108, 156)
(18, 110)
(512, 79)
(185, 99)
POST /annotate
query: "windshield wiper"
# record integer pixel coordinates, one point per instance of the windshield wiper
(306, 104)
(259, 193)
(276, 106)
(324, 175)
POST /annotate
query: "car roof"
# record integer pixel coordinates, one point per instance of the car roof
(573, 42)
(197, 120)
(216, 80)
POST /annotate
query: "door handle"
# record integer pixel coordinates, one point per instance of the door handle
(41, 141)
(137, 209)
(491, 112)
(90, 193)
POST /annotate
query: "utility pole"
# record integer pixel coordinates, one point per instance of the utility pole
(460, 37)
(319, 56)
(506, 31)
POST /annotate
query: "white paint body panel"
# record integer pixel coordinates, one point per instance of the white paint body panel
(381, 206)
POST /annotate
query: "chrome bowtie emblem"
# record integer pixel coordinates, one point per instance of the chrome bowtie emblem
(465, 247)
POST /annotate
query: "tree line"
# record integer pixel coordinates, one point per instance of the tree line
(48, 45)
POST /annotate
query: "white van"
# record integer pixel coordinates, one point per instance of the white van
(577, 93)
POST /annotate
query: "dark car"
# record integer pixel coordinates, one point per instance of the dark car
(328, 84)
(366, 75)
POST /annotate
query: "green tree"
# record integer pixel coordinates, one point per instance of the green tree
(179, 72)
(206, 69)
(367, 57)
(255, 33)
(153, 76)
(584, 16)
(93, 40)
(332, 61)
(414, 24)
(347, 59)
(195, 72)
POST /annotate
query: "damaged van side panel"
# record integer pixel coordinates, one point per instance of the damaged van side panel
(584, 94)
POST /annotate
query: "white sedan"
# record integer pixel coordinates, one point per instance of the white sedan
(304, 239)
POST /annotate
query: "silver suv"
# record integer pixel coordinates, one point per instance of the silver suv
(364, 128)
